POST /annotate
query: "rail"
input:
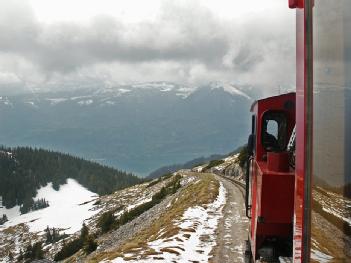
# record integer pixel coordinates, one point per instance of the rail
(241, 184)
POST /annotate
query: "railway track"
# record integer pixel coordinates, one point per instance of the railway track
(241, 184)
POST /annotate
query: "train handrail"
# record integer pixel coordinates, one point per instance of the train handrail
(247, 188)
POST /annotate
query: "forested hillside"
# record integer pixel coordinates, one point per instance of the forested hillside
(23, 170)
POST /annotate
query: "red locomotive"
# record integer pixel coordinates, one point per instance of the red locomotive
(271, 179)
(298, 192)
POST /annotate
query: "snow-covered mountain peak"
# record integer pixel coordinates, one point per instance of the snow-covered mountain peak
(230, 88)
(162, 86)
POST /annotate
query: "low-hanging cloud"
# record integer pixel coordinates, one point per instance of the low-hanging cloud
(186, 43)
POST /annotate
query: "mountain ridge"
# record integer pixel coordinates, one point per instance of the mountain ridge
(139, 129)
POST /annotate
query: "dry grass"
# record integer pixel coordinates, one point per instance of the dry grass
(151, 252)
(167, 233)
(158, 258)
(170, 250)
(328, 239)
(9, 231)
(186, 236)
(201, 193)
(179, 239)
(192, 230)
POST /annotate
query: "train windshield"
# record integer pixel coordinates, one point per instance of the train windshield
(274, 131)
(331, 212)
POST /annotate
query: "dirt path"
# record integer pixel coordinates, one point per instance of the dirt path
(232, 228)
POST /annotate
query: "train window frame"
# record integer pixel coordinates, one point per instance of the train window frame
(282, 120)
(253, 132)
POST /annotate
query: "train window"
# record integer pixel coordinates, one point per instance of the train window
(331, 192)
(274, 131)
(272, 128)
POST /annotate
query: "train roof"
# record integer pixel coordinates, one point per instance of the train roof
(269, 98)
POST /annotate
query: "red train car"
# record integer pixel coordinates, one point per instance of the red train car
(271, 179)
(299, 195)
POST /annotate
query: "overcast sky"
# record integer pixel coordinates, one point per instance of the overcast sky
(121, 41)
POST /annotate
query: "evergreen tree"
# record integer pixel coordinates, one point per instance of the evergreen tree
(48, 235)
(4, 219)
(53, 235)
(84, 232)
(38, 251)
(90, 245)
(34, 251)
(106, 221)
(84, 241)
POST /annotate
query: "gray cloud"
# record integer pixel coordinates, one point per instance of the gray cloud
(186, 43)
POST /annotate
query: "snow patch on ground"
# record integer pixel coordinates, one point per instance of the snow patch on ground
(11, 212)
(187, 180)
(231, 158)
(67, 209)
(139, 202)
(189, 246)
(333, 203)
(320, 256)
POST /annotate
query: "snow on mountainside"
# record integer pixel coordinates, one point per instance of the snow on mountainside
(194, 247)
(5, 100)
(102, 94)
(333, 204)
(67, 210)
(230, 88)
(181, 226)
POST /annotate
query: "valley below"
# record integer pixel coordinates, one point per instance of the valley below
(137, 128)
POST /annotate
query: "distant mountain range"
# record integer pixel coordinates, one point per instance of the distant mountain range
(137, 128)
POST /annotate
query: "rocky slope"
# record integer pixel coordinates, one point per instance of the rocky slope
(181, 226)
(174, 217)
